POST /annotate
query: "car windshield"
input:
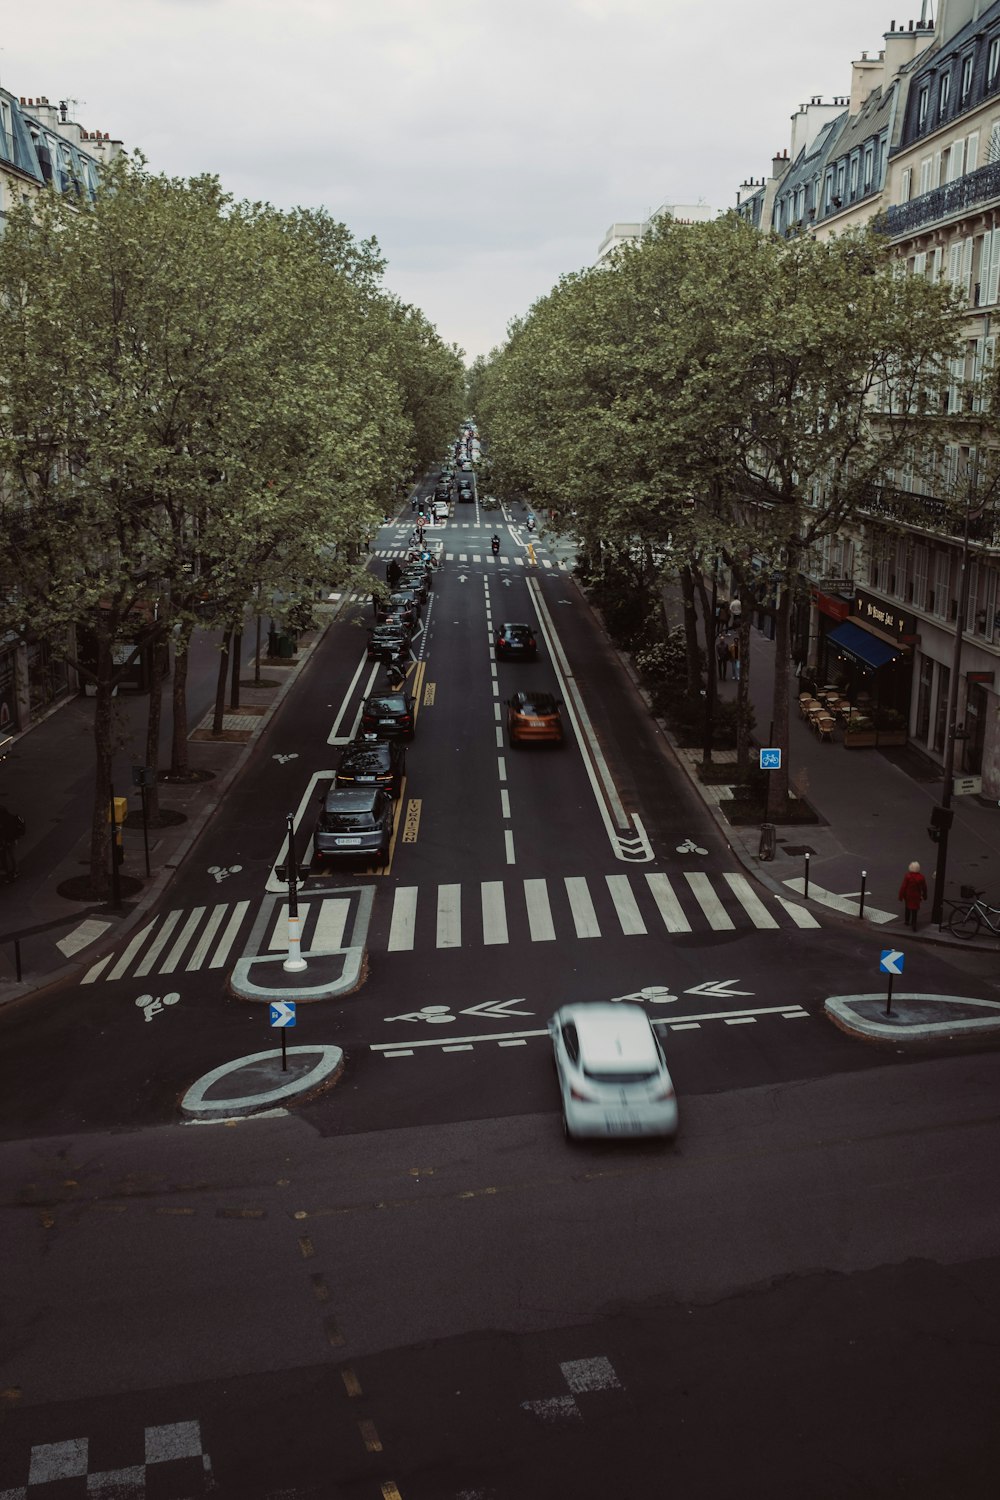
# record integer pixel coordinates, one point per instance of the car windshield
(365, 757)
(541, 703)
(621, 1077)
(393, 703)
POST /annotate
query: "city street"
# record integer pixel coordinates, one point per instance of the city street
(409, 1284)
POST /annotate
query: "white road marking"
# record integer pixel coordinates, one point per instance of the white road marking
(750, 901)
(186, 934)
(669, 907)
(582, 907)
(504, 802)
(156, 947)
(200, 950)
(508, 839)
(449, 916)
(502, 767)
(494, 912)
(279, 925)
(718, 918)
(536, 897)
(626, 906)
(328, 934)
(404, 919)
(798, 914)
(229, 936)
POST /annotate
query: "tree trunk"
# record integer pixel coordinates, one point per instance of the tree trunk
(220, 687)
(782, 658)
(708, 607)
(743, 692)
(100, 828)
(693, 651)
(179, 736)
(234, 679)
(157, 664)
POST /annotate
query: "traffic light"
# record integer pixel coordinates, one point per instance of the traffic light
(941, 821)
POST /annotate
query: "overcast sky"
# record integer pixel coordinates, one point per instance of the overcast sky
(487, 145)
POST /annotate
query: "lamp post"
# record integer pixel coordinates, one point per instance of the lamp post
(943, 816)
(294, 963)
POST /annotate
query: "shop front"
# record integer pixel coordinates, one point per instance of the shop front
(869, 657)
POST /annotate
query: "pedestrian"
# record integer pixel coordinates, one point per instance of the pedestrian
(722, 656)
(734, 657)
(912, 891)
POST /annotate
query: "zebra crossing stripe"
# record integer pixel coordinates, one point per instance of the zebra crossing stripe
(494, 912)
(449, 916)
(718, 918)
(328, 934)
(279, 925)
(200, 950)
(404, 919)
(626, 906)
(667, 904)
(186, 934)
(750, 901)
(536, 899)
(798, 914)
(229, 936)
(582, 907)
(132, 949)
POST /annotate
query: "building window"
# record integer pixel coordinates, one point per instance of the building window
(854, 176)
(918, 592)
(993, 62)
(944, 89)
(922, 99)
(972, 152)
(966, 84)
(925, 176)
(869, 167)
(840, 184)
(905, 184)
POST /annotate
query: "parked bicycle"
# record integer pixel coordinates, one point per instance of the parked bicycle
(967, 920)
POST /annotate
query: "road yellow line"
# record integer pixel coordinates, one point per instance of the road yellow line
(397, 813)
(532, 560)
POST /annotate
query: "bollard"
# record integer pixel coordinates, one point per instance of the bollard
(861, 900)
(805, 888)
(17, 956)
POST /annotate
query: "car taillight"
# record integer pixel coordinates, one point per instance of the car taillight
(666, 1093)
(404, 718)
(531, 642)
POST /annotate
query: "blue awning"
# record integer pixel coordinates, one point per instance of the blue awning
(862, 647)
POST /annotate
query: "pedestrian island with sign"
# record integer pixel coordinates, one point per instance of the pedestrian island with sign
(281, 1013)
(891, 963)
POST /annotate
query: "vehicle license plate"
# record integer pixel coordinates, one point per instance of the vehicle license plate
(387, 723)
(366, 778)
(620, 1124)
(343, 843)
(536, 723)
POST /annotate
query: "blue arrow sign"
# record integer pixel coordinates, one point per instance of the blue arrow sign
(891, 961)
(770, 760)
(282, 1013)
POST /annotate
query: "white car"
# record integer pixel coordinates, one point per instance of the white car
(612, 1073)
(441, 510)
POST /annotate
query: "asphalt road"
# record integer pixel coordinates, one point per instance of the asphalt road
(411, 1284)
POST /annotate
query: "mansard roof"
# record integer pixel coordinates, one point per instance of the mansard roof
(925, 72)
(34, 150)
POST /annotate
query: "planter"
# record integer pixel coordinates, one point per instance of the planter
(858, 739)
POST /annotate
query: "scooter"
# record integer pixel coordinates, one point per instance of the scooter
(495, 545)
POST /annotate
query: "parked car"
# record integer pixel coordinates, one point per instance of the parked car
(534, 718)
(401, 605)
(416, 579)
(388, 714)
(613, 1076)
(441, 510)
(388, 640)
(515, 641)
(442, 492)
(371, 761)
(355, 823)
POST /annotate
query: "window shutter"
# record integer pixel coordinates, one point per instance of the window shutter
(957, 160)
(936, 171)
(904, 184)
(972, 152)
(920, 263)
(954, 261)
(967, 266)
(993, 281)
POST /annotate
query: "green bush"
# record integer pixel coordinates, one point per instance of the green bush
(685, 714)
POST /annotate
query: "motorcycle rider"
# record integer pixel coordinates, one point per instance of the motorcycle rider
(495, 544)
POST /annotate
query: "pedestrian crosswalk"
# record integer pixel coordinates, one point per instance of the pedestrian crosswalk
(504, 560)
(488, 913)
(493, 913)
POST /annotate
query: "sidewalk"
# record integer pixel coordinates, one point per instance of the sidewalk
(48, 778)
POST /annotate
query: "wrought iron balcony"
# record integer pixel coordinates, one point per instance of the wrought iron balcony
(980, 186)
(928, 513)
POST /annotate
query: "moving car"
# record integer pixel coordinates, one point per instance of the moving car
(442, 492)
(534, 718)
(441, 510)
(370, 761)
(612, 1074)
(388, 640)
(515, 641)
(355, 823)
(388, 715)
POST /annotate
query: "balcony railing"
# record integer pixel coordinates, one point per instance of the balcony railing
(906, 508)
(940, 203)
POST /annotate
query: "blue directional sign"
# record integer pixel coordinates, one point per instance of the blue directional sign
(770, 760)
(891, 961)
(282, 1013)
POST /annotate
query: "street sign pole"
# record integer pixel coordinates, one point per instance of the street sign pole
(888, 1001)
(284, 1047)
(282, 1015)
(891, 963)
(294, 963)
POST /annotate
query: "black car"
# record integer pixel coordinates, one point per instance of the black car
(388, 715)
(442, 491)
(465, 491)
(387, 641)
(355, 824)
(516, 641)
(417, 580)
(371, 761)
(400, 606)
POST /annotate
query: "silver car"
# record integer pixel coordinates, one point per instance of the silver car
(355, 824)
(612, 1073)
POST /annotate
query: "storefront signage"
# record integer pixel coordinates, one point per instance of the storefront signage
(980, 676)
(967, 786)
(836, 585)
(868, 610)
(837, 609)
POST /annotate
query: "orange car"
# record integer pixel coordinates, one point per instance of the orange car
(534, 717)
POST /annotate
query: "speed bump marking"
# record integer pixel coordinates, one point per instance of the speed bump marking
(429, 694)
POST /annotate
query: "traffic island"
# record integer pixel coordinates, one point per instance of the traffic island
(255, 1083)
(916, 1020)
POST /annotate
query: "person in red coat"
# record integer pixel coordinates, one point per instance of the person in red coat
(912, 891)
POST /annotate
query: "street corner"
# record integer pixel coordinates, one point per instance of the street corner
(323, 976)
(262, 1081)
(916, 1020)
